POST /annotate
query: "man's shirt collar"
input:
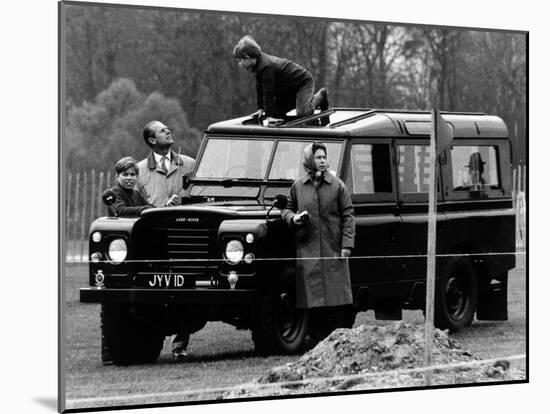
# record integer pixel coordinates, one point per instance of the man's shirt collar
(158, 157)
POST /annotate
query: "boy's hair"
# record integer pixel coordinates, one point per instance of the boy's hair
(125, 163)
(247, 46)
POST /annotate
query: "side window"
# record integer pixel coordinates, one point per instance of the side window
(474, 167)
(287, 163)
(369, 169)
(414, 168)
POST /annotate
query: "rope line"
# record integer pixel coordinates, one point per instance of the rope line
(268, 259)
(342, 378)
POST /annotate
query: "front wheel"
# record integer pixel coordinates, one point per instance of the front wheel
(279, 327)
(131, 335)
(456, 296)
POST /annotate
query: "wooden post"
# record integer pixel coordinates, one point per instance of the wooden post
(99, 192)
(430, 277)
(76, 213)
(92, 200)
(83, 218)
(68, 219)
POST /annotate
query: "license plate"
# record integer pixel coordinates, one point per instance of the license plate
(166, 280)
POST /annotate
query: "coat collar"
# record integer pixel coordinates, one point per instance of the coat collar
(261, 63)
(327, 177)
(152, 163)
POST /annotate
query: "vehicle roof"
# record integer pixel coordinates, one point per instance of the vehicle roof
(366, 122)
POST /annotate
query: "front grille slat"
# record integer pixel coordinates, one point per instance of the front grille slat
(189, 240)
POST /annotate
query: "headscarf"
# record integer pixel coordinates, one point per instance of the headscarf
(309, 163)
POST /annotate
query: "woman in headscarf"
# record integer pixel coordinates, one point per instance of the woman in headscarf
(324, 240)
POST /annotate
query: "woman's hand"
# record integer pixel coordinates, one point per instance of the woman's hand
(345, 253)
(300, 218)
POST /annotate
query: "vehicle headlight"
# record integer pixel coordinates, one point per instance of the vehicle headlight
(96, 236)
(117, 251)
(234, 251)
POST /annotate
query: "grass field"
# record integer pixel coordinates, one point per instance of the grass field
(221, 356)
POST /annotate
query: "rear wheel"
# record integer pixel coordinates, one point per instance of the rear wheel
(456, 296)
(131, 335)
(279, 327)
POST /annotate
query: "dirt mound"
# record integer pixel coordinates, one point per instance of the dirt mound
(364, 354)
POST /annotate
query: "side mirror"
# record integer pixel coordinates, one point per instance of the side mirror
(186, 181)
(108, 197)
(280, 201)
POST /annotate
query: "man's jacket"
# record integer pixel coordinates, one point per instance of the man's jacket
(156, 185)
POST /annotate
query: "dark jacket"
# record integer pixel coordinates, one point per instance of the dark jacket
(322, 276)
(128, 203)
(277, 83)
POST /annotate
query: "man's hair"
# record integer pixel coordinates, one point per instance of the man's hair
(125, 163)
(148, 132)
(247, 46)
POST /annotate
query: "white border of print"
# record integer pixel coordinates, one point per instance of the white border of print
(29, 111)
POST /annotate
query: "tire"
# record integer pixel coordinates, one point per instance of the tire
(278, 327)
(323, 321)
(130, 335)
(456, 296)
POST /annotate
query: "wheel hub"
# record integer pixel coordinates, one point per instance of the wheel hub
(288, 318)
(456, 297)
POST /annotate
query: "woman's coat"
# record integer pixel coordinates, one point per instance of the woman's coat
(322, 276)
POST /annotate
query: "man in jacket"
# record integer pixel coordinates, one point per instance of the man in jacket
(281, 84)
(160, 179)
(160, 176)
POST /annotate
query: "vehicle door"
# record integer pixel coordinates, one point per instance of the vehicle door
(478, 202)
(370, 179)
(413, 175)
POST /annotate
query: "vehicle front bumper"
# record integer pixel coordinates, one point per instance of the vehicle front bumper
(198, 296)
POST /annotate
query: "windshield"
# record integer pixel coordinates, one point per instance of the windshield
(225, 158)
(235, 158)
(289, 156)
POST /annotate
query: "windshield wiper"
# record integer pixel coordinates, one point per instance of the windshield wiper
(226, 182)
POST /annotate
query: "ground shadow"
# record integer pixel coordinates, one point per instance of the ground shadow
(211, 357)
(48, 402)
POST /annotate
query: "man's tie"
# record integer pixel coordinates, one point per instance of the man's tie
(163, 164)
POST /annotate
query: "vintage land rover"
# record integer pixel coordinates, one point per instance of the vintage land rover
(226, 255)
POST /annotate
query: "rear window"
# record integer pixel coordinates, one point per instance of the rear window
(475, 167)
